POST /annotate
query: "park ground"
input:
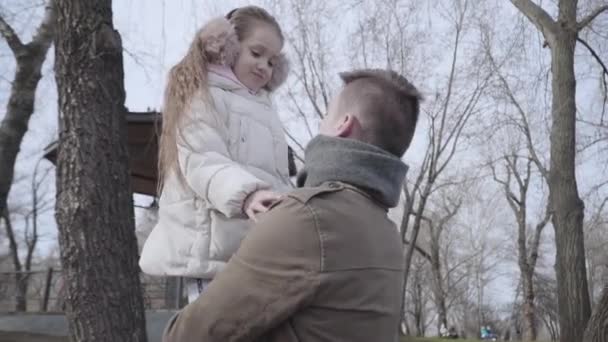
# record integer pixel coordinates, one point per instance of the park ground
(26, 337)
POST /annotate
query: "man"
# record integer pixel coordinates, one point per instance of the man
(325, 263)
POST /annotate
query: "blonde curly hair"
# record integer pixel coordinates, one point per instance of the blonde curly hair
(215, 43)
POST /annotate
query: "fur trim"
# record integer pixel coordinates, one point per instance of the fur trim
(220, 43)
(279, 73)
(221, 46)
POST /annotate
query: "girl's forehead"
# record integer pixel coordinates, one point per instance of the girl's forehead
(266, 36)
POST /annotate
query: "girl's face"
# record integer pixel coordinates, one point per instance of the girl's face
(257, 56)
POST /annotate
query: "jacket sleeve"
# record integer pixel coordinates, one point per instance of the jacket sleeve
(275, 272)
(207, 165)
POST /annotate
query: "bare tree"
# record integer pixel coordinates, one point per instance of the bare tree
(470, 254)
(418, 296)
(21, 275)
(483, 272)
(310, 46)
(30, 213)
(94, 208)
(597, 331)
(448, 115)
(29, 58)
(389, 33)
(561, 37)
(441, 274)
(596, 241)
(515, 181)
(546, 303)
(527, 248)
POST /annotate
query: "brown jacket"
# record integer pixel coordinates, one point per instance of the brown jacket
(325, 264)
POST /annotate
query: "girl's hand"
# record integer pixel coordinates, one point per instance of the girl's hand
(259, 202)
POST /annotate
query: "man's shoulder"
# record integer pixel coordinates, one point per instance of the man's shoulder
(306, 194)
(297, 205)
(305, 202)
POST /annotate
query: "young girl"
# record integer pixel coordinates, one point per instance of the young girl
(223, 156)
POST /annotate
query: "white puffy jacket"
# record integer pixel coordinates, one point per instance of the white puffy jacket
(240, 150)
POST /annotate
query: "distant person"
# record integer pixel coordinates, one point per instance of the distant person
(452, 332)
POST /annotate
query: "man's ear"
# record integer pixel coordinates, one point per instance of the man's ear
(348, 126)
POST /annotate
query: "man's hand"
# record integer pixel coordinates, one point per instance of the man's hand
(259, 202)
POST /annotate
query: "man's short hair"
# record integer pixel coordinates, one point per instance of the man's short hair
(387, 105)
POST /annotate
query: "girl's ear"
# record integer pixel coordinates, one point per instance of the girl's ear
(220, 42)
(279, 73)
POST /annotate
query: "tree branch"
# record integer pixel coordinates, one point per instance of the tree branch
(524, 125)
(512, 200)
(11, 37)
(295, 141)
(11, 238)
(595, 55)
(538, 16)
(589, 18)
(46, 31)
(419, 249)
(537, 234)
(300, 112)
(450, 212)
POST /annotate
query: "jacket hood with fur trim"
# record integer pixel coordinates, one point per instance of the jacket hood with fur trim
(222, 46)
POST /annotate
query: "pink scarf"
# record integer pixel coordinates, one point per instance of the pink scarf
(227, 72)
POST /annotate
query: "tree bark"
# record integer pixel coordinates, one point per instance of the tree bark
(597, 329)
(408, 254)
(573, 292)
(438, 291)
(94, 207)
(21, 282)
(529, 310)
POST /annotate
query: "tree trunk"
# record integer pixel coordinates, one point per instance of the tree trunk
(597, 330)
(94, 207)
(21, 282)
(419, 315)
(20, 298)
(529, 310)
(572, 289)
(408, 254)
(438, 292)
(526, 267)
(568, 208)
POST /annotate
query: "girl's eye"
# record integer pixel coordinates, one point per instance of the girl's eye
(271, 63)
(255, 53)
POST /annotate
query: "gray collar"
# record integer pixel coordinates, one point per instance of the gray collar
(367, 167)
